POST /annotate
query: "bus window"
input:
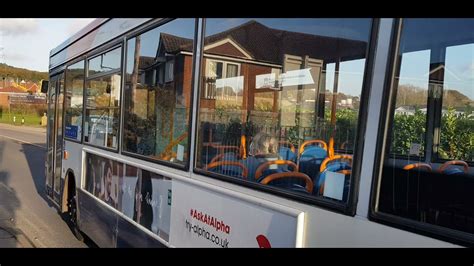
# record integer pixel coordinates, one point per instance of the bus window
(279, 102)
(457, 120)
(106, 62)
(158, 92)
(102, 116)
(428, 175)
(73, 101)
(410, 108)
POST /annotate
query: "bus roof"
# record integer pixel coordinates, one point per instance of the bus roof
(82, 32)
(91, 36)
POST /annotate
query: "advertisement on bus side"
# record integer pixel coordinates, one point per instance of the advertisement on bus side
(142, 196)
(205, 218)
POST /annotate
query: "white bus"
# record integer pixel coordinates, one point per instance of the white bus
(265, 132)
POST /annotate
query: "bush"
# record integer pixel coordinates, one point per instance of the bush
(408, 129)
(457, 136)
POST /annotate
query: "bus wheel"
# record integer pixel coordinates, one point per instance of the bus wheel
(72, 216)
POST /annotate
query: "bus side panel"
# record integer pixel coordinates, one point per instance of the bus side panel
(75, 155)
(327, 229)
(97, 221)
(129, 235)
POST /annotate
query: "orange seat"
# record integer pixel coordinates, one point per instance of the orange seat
(342, 168)
(314, 141)
(417, 165)
(445, 165)
(334, 158)
(277, 176)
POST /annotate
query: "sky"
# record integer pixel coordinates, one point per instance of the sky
(458, 74)
(26, 43)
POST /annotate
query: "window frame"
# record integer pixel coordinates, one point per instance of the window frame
(386, 111)
(348, 208)
(184, 167)
(104, 49)
(75, 61)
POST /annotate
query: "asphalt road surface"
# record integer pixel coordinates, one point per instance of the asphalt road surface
(23, 202)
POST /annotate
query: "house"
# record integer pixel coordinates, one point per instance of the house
(32, 88)
(6, 92)
(405, 110)
(14, 94)
(247, 66)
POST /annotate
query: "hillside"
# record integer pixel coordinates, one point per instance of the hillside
(21, 73)
(409, 95)
(457, 99)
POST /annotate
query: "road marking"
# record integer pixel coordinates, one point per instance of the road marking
(23, 141)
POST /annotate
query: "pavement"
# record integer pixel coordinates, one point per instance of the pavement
(13, 237)
(10, 235)
(27, 217)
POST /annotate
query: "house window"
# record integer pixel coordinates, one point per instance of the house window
(169, 71)
(218, 80)
(232, 70)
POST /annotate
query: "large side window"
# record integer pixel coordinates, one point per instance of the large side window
(408, 135)
(74, 101)
(279, 103)
(102, 116)
(432, 125)
(158, 92)
(457, 119)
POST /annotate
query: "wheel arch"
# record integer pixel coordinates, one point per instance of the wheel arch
(68, 188)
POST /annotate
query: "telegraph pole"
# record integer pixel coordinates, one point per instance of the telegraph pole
(4, 67)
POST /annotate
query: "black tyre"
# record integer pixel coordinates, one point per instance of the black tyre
(71, 217)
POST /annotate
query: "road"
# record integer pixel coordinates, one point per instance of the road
(23, 202)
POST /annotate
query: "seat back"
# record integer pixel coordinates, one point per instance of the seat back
(449, 168)
(282, 166)
(310, 161)
(290, 180)
(287, 154)
(336, 167)
(338, 164)
(231, 168)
